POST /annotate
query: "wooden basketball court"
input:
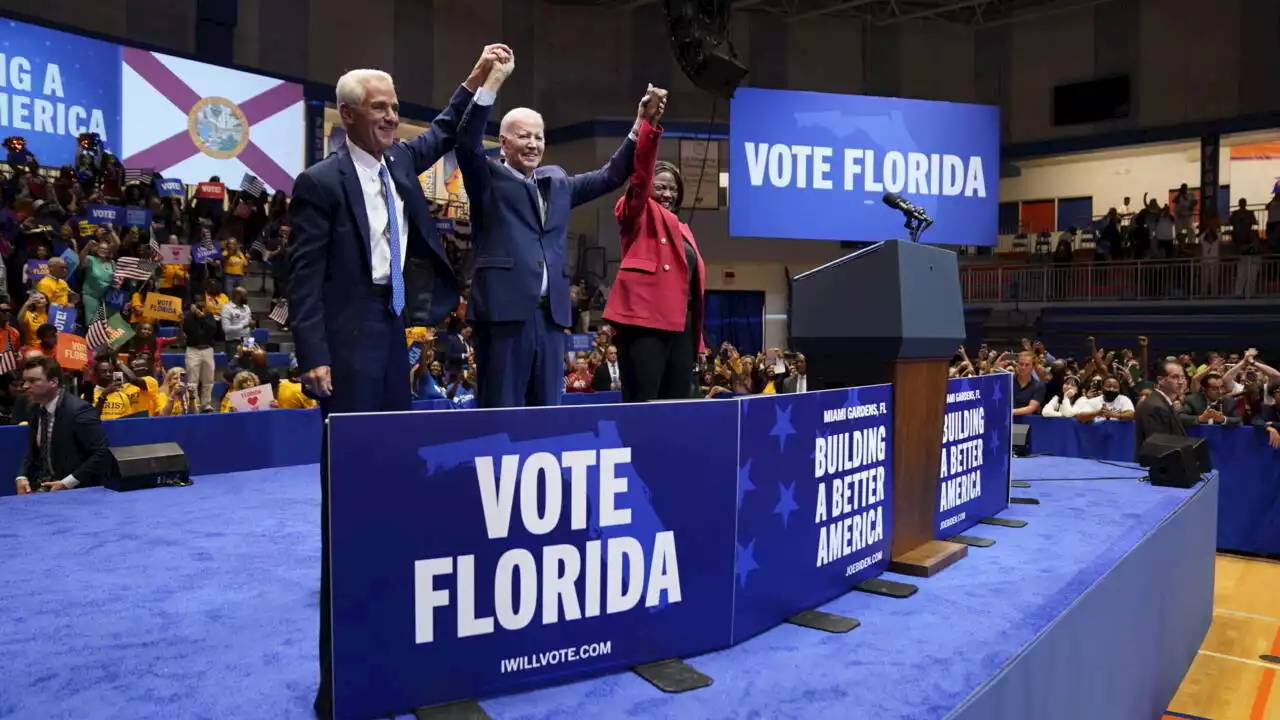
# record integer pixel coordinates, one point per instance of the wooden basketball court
(1228, 680)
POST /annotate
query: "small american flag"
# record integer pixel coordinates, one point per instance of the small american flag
(260, 248)
(9, 361)
(251, 185)
(98, 335)
(280, 313)
(132, 268)
(139, 176)
(155, 244)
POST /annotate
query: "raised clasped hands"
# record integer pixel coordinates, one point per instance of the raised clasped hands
(491, 57)
(652, 105)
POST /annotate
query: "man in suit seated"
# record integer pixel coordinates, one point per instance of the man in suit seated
(67, 448)
(1157, 414)
(519, 217)
(1210, 406)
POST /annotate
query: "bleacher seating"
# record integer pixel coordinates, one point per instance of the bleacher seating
(1171, 329)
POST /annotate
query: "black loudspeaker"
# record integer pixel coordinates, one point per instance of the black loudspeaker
(148, 466)
(1021, 445)
(1156, 444)
(1171, 460)
(700, 39)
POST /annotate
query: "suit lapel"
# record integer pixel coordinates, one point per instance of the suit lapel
(355, 198)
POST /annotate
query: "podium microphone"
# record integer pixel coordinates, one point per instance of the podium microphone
(904, 206)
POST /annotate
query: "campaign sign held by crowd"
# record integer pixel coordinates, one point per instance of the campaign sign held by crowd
(814, 500)
(104, 214)
(977, 462)
(817, 165)
(504, 549)
(137, 217)
(171, 187)
(63, 317)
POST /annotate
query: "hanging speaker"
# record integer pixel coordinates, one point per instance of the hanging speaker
(700, 39)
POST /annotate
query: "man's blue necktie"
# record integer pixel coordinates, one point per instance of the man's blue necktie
(393, 240)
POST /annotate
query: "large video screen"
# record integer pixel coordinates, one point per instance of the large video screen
(181, 118)
(817, 166)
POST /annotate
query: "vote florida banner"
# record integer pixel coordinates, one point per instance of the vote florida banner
(482, 551)
(814, 513)
(816, 165)
(977, 462)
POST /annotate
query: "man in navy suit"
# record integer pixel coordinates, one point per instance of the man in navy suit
(519, 300)
(365, 260)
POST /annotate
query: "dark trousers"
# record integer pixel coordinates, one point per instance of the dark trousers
(656, 364)
(371, 374)
(520, 364)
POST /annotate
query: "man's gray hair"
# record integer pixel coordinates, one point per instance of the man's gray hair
(351, 86)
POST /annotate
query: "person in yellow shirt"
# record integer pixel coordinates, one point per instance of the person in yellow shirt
(242, 381)
(112, 397)
(33, 313)
(214, 298)
(174, 279)
(147, 396)
(416, 335)
(54, 287)
(176, 398)
(289, 396)
(234, 263)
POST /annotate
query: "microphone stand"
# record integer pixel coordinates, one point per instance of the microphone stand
(915, 226)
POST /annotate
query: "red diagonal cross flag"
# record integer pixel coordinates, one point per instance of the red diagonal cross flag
(191, 120)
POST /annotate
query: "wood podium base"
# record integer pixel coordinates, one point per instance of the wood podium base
(928, 559)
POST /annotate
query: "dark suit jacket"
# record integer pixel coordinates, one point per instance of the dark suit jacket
(788, 384)
(331, 289)
(602, 381)
(80, 445)
(508, 234)
(1194, 405)
(1155, 416)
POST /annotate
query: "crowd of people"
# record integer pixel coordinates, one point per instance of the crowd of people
(75, 287)
(1231, 389)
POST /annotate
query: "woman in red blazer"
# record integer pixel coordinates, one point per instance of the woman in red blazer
(656, 303)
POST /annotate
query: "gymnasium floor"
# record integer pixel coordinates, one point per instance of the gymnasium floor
(1228, 681)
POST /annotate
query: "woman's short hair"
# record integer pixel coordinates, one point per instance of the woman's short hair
(663, 166)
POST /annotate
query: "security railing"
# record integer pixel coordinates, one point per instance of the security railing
(1246, 277)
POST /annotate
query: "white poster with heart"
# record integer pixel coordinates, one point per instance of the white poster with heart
(254, 398)
(175, 254)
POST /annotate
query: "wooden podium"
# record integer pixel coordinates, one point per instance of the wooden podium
(891, 314)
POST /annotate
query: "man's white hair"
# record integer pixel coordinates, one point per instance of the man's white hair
(515, 115)
(351, 87)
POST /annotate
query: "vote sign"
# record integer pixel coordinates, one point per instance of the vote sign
(814, 492)
(502, 549)
(816, 165)
(977, 462)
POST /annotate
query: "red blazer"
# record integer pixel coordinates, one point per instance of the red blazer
(652, 287)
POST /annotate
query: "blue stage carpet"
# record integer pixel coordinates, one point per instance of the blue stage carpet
(201, 602)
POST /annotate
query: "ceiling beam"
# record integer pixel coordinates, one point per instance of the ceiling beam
(931, 12)
(1039, 12)
(740, 5)
(849, 5)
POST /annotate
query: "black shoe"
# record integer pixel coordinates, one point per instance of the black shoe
(323, 705)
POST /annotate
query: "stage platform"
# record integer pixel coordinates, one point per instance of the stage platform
(201, 602)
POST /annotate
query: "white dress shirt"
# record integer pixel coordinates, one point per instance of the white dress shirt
(615, 377)
(51, 407)
(375, 205)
